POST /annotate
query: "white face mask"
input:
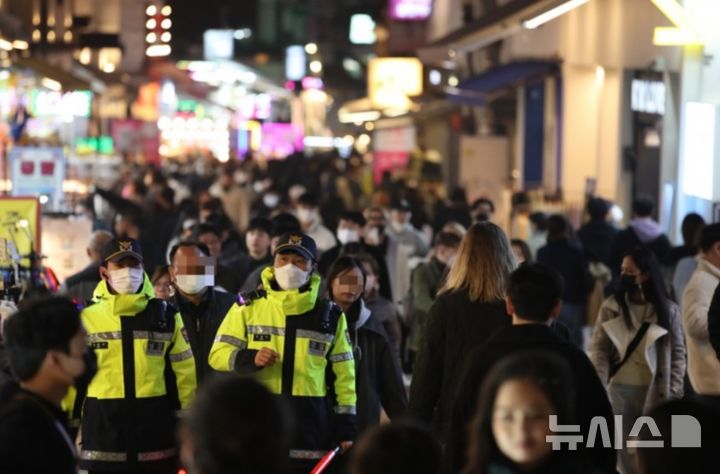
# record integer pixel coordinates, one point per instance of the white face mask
(397, 227)
(307, 216)
(126, 280)
(194, 284)
(290, 277)
(271, 200)
(348, 236)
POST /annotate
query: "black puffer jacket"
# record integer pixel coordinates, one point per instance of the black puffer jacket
(455, 327)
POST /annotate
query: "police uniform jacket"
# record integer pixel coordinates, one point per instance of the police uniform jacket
(146, 371)
(311, 335)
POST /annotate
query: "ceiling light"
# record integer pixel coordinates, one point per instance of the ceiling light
(553, 13)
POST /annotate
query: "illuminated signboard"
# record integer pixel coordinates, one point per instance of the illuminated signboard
(410, 10)
(698, 154)
(295, 63)
(648, 97)
(392, 80)
(218, 44)
(52, 103)
(362, 29)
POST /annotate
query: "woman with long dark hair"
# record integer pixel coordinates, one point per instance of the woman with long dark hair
(377, 373)
(508, 434)
(638, 345)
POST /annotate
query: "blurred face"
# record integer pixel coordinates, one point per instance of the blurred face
(71, 365)
(399, 217)
(293, 258)
(226, 180)
(375, 218)
(371, 283)
(213, 243)
(258, 242)
(446, 254)
(630, 268)
(348, 286)
(163, 287)
(517, 250)
(349, 225)
(520, 423)
(307, 214)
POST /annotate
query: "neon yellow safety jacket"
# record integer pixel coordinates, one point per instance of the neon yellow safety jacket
(310, 334)
(146, 371)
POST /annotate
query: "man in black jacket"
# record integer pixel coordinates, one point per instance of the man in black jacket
(47, 349)
(202, 307)
(534, 300)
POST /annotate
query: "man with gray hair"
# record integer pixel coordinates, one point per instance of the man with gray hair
(80, 286)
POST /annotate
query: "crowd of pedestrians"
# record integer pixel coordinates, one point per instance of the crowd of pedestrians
(272, 318)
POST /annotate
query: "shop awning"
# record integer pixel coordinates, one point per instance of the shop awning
(68, 81)
(480, 89)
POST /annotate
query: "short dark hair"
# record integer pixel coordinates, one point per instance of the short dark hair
(597, 208)
(161, 271)
(397, 447)
(188, 243)
(221, 221)
(643, 205)
(539, 219)
(40, 325)
(284, 223)
(483, 200)
(558, 227)
(352, 216)
(238, 425)
(691, 225)
(524, 247)
(448, 239)
(201, 229)
(709, 236)
(260, 223)
(534, 289)
(309, 200)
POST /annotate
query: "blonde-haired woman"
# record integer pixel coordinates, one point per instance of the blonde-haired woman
(468, 309)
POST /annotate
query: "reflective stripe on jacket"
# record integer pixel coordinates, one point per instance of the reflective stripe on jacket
(308, 333)
(128, 413)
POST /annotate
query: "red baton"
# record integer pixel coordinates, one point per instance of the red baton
(325, 461)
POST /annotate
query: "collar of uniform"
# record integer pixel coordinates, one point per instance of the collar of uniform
(293, 301)
(125, 305)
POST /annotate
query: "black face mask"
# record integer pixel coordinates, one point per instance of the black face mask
(482, 217)
(90, 359)
(628, 284)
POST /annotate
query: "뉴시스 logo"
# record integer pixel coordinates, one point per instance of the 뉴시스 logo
(685, 433)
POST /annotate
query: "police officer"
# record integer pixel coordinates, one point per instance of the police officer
(288, 336)
(128, 419)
